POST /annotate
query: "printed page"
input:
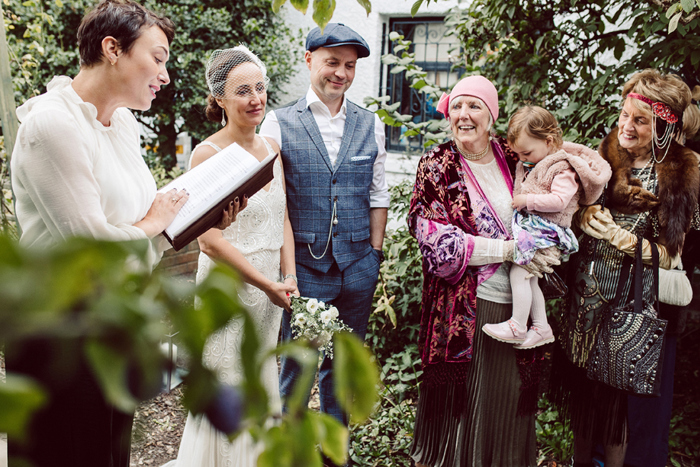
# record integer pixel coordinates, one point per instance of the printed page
(210, 182)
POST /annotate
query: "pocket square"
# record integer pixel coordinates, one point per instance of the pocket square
(360, 158)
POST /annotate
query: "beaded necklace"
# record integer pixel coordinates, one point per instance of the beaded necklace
(473, 156)
(645, 185)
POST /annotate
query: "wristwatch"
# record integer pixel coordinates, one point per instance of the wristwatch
(292, 276)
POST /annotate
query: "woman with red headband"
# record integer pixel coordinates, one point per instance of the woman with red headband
(652, 194)
(473, 401)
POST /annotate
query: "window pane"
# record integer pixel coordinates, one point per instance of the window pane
(432, 52)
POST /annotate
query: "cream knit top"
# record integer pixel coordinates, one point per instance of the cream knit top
(73, 176)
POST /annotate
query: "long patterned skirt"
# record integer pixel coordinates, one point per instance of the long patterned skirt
(475, 423)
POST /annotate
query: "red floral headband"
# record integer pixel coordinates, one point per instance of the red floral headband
(661, 110)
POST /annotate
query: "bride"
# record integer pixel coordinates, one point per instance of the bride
(259, 245)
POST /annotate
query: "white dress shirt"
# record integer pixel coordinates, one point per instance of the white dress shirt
(331, 128)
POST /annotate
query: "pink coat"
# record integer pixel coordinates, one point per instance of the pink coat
(592, 173)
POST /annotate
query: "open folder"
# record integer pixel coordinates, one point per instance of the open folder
(212, 185)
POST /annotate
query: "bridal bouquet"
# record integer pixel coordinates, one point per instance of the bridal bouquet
(312, 320)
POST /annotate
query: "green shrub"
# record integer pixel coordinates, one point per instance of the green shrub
(392, 333)
(385, 439)
(395, 321)
(555, 440)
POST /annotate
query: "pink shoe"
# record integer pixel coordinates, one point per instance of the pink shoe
(506, 331)
(536, 337)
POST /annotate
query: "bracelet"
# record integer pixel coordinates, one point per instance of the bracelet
(293, 277)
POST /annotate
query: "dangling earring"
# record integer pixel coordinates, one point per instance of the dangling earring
(223, 117)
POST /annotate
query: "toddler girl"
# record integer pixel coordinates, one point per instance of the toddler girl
(551, 179)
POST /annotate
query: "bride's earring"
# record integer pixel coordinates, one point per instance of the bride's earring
(223, 117)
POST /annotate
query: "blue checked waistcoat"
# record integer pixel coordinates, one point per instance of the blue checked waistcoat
(314, 185)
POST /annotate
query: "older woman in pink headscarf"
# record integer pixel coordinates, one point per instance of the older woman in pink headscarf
(477, 395)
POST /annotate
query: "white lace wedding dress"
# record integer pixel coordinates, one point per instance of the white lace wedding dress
(258, 234)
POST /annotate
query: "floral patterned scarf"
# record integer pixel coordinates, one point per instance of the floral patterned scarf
(448, 209)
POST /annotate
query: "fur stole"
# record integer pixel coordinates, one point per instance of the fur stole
(678, 178)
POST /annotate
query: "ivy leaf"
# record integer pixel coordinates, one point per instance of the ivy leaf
(334, 443)
(538, 43)
(393, 107)
(323, 12)
(672, 10)
(19, 398)
(415, 7)
(300, 5)
(418, 85)
(695, 57)
(673, 24)
(687, 5)
(367, 5)
(111, 369)
(620, 49)
(356, 377)
(277, 4)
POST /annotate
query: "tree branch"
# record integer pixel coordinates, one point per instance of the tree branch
(150, 127)
(666, 4)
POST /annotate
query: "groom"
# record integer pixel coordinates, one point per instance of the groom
(333, 154)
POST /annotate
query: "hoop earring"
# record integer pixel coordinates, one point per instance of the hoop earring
(223, 117)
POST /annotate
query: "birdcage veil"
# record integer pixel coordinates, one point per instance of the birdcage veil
(220, 64)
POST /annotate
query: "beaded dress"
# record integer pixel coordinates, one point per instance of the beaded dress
(598, 411)
(258, 234)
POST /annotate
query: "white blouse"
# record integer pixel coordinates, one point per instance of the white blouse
(486, 250)
(73, 176)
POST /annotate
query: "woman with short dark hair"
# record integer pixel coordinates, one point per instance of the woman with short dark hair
(77, 170)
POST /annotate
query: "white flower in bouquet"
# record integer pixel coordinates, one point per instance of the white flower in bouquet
(300, 319)
(314, 322)
(312, 305)
(326, 317)
(334, 312)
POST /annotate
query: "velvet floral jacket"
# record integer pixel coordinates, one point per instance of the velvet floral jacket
(448, 209)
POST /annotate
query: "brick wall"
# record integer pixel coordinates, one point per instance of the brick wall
(183, 262)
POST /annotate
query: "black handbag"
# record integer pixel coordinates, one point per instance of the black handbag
(552, 286)
(628, 351)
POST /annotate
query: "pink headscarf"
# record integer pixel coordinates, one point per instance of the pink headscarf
(475, 86)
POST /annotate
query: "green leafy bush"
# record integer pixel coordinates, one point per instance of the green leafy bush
(395, 321)
(555, 439)
(95, 296)
(385, 440)
(392, 333)
(684, 436)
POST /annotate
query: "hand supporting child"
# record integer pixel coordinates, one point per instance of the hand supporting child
(520, 202)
